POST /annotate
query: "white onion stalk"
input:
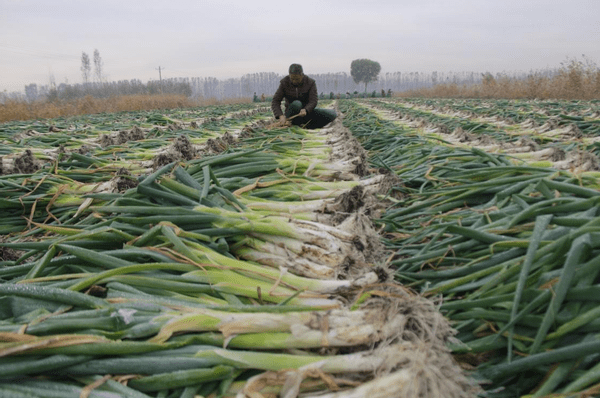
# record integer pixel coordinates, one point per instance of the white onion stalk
(288, 207)
(311, 190)
(331, 252)
(305, 231)
(406, 370)
(300, 258)
(204, 254)
(331, 328)
(297, 265)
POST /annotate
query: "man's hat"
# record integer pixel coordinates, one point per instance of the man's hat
(296, 69)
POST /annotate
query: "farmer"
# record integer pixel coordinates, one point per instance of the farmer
(300, 94)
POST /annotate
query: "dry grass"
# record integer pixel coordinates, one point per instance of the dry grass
(22, 110)
(575, 80)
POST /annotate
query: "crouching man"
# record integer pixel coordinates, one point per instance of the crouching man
(300, 94)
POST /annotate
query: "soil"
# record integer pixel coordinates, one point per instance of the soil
(443, 129)
(247, 132)
(220, 144)
(250, 130)
(123, 182)
(163, 159)
(558, 155)
(551, 124)
(136, 134)
(367, 241)
(181, 149)
(351, 201)
(122, 137)
(106, 140)
(528, 142)
(463, 136)
(584, 161)
(83, 149)
(573, 132)
(214, 146)
(391, 184)
(26, 163)
(228, 138)
(183, 146)
(383, 274)
(8, 254)
(97, 291)
(362, 167)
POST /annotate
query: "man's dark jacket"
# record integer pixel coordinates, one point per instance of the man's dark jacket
(306, 92)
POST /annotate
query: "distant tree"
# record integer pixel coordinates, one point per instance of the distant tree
(52, 92)
(98, 65)
(364, 71)
(86, 68)
(31, 92)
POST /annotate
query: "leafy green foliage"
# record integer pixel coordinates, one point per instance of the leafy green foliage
(364, 71)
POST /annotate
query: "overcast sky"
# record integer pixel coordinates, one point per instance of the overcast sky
(227, 38)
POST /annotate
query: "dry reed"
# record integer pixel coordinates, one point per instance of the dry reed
(575, 80)
(23, 110)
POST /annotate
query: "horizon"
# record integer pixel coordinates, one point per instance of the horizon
(427, 75)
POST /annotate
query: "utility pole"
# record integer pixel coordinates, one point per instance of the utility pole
(160, 78)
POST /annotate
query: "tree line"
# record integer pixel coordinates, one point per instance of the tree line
(248, 85)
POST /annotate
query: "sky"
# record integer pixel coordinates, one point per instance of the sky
(43, 40)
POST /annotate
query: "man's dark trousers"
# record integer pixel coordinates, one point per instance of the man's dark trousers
(316, 119)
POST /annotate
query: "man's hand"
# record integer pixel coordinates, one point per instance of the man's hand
(302, 112)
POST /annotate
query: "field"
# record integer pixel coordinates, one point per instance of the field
(415, 248)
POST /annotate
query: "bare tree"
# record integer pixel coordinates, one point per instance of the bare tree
(52, 91)
(98, 64)
(86, 68)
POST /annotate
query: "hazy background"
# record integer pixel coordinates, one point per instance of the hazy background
(42, 40)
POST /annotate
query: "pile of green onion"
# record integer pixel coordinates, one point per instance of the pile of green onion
(235, 274)
(513, 250)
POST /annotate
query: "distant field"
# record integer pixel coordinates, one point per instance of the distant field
(560, 134)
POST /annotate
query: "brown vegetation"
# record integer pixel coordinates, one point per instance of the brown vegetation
(575, 80)
(23, 110)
